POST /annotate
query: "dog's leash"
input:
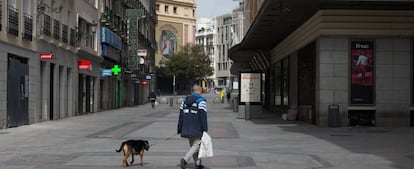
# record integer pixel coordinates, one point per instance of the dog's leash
(166, 139)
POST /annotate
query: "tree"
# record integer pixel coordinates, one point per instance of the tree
(189, 64)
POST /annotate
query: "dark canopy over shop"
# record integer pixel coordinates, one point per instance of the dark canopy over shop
(277, 19)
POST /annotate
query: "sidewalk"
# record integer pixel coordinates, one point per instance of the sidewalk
(89, 141)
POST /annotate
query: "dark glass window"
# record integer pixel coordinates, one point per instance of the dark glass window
(46, 25)
(282, 83)
(56, 30)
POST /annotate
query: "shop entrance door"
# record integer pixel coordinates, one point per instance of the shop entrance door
(17, 92)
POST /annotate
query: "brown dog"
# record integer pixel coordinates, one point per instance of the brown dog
(133, 147)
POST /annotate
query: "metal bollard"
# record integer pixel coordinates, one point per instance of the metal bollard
(171, 102)
(235, 104)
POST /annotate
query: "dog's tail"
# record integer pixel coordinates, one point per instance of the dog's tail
(120, 148)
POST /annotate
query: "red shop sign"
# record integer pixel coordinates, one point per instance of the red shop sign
(144, 82)
(84, 65)
(46, 56)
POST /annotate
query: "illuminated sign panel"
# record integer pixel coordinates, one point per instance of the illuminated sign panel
(46, 56)
(84, 65)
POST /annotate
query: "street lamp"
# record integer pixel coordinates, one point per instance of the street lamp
(174, 92)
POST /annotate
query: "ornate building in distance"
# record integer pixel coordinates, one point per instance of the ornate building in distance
(176, 27)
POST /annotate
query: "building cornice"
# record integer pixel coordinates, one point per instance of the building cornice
(176, 19)
(178, 3)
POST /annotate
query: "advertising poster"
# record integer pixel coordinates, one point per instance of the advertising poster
(362, 72)
(250, 90)
(169, 37)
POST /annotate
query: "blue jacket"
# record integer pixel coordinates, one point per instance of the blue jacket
(193, 117)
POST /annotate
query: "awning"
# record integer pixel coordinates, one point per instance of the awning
(277, 19)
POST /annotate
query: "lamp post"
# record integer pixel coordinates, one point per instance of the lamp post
(174, 92)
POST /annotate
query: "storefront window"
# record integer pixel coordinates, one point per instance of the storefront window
(285, 81)
(278, 84)
(282, 83)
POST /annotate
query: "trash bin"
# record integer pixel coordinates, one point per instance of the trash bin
(235, 104)
(333, 116)
(171, 102)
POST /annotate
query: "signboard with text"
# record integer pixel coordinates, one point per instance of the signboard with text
(250, 87)
(84, 65)
(46, 56)
(142, 52)
(362, 72)
(133, 15)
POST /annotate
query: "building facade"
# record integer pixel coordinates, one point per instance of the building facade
(57, 55)
(42, 43)
(346, 63)
(176, 27)
(230, 31)
(125, 88)
(205, 37)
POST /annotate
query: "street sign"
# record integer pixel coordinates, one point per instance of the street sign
(106, 72)
(142, 52)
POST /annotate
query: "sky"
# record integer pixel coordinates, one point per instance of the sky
(214, 8)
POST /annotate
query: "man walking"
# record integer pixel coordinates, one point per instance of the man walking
(152, 98)
(192, 122)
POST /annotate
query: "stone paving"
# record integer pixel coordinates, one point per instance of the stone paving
(89, 141)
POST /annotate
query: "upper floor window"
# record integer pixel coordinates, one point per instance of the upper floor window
(166, 8)
(56, 29)
(175, 10)
(158, 7)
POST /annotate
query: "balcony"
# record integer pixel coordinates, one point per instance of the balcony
(13, 21)
(116, 22)
(106, 16)
(86, 39)
(111, 19)
(28, 27)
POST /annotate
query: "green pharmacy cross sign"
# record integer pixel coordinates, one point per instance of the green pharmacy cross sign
(116, 70)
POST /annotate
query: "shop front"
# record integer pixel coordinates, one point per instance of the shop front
(88, 83)
(332, 69)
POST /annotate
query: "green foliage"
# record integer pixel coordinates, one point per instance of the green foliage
(190, 63)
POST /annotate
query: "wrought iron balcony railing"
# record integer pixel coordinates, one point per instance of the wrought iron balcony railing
(28, 27)
(13, 21)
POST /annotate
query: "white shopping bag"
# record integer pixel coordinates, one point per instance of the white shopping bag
(206, 146)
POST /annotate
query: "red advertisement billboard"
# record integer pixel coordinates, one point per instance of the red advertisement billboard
(362, 72)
